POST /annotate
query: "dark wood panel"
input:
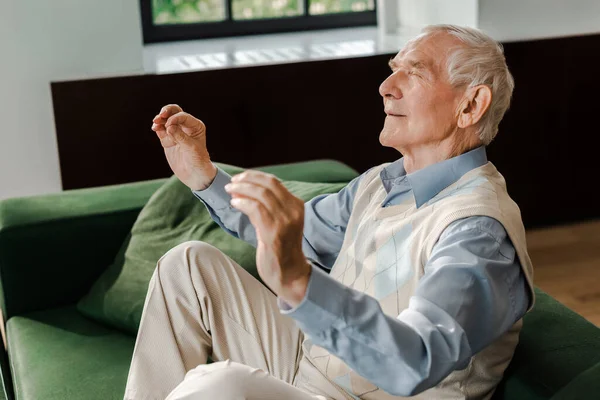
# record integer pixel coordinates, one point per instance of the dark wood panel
(255, 116)
(547, 147)
(262, 115)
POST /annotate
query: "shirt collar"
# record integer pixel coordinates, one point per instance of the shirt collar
(426, 183)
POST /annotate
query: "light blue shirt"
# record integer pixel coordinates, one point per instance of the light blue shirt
(472, 292)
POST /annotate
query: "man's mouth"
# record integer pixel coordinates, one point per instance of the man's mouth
(395, 115)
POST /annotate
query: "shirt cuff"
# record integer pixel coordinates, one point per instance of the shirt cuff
(215, 195)
(311, 315)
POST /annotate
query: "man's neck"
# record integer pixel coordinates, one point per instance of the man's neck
(419, 157)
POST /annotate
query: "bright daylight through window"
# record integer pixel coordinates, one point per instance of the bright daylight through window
(188, 19)
(190, 11)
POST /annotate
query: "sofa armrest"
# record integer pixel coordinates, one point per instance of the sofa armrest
(555, 346)
(7, 390)
(582, 387)
(53, 247)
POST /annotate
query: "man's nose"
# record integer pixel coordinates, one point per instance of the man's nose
(389, 87)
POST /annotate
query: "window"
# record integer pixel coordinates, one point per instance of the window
(165, 20)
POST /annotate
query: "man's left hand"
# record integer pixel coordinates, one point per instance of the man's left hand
(278, 218)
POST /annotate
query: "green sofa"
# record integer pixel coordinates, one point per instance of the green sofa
(53, 248)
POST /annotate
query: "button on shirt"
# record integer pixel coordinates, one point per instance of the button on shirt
(473, 289)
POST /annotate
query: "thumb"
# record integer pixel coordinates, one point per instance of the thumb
(177, 134)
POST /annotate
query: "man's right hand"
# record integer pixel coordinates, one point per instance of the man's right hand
(184, 139)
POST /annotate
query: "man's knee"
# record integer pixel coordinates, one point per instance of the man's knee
(224, 379)
(187, 255)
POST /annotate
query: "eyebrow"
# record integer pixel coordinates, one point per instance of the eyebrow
(419, 65)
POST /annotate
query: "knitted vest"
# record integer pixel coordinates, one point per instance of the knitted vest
(384, 254)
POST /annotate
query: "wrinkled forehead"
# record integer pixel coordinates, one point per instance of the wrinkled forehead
(430, 49)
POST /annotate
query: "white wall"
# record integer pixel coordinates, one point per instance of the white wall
(504, 20)
(515, 20)
(48, 40)
(416, 13)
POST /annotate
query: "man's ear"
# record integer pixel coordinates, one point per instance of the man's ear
(476, 102)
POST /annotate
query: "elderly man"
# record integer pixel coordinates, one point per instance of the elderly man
(429, 276)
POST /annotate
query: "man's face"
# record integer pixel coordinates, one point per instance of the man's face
(420, 103)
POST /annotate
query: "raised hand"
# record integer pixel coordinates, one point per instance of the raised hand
(278, 218)
(183, 138)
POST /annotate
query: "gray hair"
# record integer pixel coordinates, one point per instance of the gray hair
(480, 62)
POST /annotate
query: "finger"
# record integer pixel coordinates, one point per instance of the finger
(177, 134)
(188, 123)
(168, 110)
(160, 130)
(159, 120)
(266, 180)
(256, 212)
(158, 127)
(257, 192)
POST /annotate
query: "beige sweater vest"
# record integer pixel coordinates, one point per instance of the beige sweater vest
(378, 237)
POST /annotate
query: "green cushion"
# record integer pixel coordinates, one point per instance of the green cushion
(555, 346)
(172, 216)
(59, 354)
(328, 171)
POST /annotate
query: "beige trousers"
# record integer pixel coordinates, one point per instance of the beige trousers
(200, 303)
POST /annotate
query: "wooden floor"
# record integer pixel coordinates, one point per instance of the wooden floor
(566, 263)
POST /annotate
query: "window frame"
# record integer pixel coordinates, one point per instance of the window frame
(229, 27)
